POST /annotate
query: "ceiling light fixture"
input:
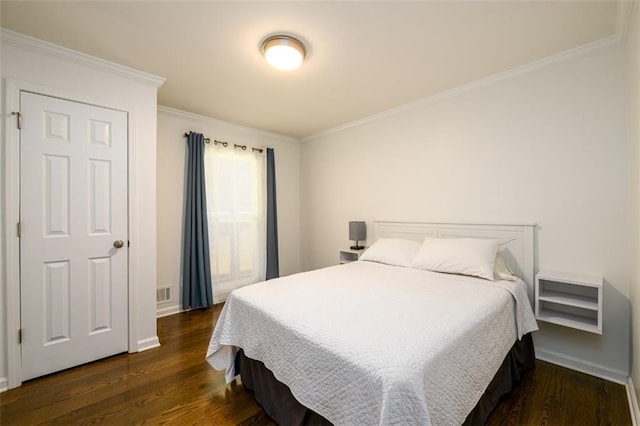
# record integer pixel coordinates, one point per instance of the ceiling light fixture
(283, 52)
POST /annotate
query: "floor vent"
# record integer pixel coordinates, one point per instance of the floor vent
(163, 294)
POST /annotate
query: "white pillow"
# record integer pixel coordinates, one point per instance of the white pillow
(466, 256)
(392, 251)
(501, 270)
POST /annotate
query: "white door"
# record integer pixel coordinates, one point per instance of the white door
(73, 216)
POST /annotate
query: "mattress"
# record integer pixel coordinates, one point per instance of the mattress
(369, 343)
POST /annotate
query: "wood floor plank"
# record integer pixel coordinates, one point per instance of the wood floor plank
(173, 384)
(553, 395)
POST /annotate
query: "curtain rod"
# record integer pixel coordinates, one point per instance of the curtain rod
(225, 144)
(206, 140)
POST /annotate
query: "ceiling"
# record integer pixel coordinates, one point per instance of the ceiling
(362, 57)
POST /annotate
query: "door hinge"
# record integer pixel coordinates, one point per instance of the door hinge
(20, 336)
(19, 229)
(19, 117)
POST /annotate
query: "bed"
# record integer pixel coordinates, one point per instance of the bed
(383, 343)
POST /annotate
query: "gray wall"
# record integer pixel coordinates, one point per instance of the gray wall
(545, 143)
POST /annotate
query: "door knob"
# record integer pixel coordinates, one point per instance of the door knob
(118, 243)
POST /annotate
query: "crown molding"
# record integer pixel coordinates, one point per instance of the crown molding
(484, 82)
(217, 122)
(31, 44)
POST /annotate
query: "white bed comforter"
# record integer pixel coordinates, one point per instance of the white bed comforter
(366, 343)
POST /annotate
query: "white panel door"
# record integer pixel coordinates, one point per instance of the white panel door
(73, 215)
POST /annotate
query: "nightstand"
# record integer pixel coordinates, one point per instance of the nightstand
(349, 255)
(569, 299)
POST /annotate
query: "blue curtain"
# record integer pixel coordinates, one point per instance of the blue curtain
(196, 266)
(272, 219)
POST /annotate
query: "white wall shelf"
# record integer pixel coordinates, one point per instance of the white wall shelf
(570, 300)
(349, 255)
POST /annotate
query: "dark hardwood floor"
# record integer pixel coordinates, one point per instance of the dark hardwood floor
(173, 384)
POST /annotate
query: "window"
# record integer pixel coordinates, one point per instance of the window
(236, 211)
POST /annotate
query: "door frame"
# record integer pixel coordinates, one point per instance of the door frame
(11, 212)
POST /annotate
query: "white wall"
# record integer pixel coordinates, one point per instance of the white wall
(172, 125)
(65, 71)
(633, 66)
(545, 143)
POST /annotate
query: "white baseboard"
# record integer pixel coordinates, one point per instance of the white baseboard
(572, 363)
(150, 343)
(168, 310)
(633, 403)
(4, 384)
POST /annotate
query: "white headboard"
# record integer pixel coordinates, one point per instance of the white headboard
(516, 240)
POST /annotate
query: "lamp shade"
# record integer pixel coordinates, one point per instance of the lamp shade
(357, 231)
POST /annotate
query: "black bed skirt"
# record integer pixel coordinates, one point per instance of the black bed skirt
(278, 402)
